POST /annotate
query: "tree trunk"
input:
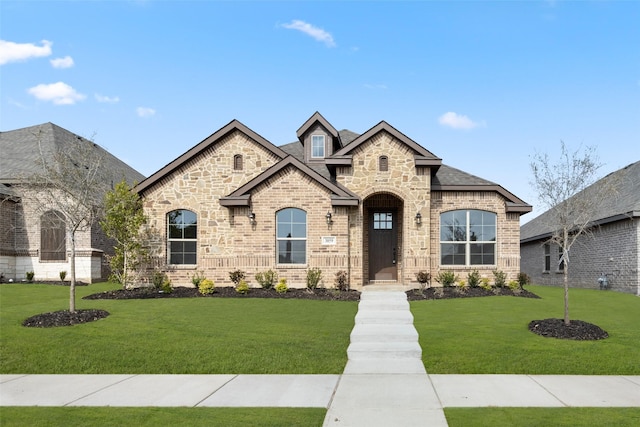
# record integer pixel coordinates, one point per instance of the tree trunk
(565, 278)
(72, 285)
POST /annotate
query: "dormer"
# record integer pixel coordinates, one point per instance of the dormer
(319, 138)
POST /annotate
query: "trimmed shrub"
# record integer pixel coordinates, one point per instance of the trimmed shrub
(197, 278)
(166, 286)
(342, 280)
(523, 279)
(158, 278)
(514, 285)
(267, 279)
(30, 275)
(474, 278)
(282, 287)
(63, 274)
(485, 284)
(314, 275)
(236, 276)
(242, 287)
(499, 278)
(446, 278)
(206, 287)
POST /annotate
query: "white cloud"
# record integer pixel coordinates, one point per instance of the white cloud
(59, 93)
(66, 62)
(317, 33)
(107, 99)
(145, 112)
(458, 121)
(14, 52)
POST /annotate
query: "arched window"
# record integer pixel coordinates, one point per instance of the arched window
(182, 233)
(291, 236)
(52, 237)
(237, 162)
(468, 237)
(383, 163)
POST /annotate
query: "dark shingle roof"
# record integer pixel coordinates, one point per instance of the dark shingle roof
(20, 152)
(624, 202)
(447, 175)
(346, 136)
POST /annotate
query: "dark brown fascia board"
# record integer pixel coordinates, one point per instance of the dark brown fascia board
(425, 161)
(290, 161)
(244, 200)
(384, 126)
(202, 146)
(339, 161)
(317, 117)
(514, 204)
(344, 201)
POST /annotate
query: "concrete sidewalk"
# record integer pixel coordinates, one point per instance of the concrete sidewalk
(313, 390)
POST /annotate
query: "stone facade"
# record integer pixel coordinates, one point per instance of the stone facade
(611, 249)
(338, 195)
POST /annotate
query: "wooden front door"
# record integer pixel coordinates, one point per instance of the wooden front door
(383, 241)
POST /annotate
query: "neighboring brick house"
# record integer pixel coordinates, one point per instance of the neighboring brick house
(377, 205)
(612, 247)
(32, 237)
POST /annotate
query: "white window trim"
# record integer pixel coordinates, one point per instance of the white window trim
(324, 146)
(285, 239)
(169, 240)
(468, 242)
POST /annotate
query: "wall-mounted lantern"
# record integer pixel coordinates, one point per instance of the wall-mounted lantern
(328, 217)
(418, 218)
(252, 218)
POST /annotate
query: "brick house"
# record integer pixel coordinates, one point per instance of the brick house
(32, 236)
(612, 248)
(377, 205)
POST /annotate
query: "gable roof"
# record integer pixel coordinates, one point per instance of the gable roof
(423, 156)
(242, 196)
(317, 117)
(619, 205)
(209, 141)
(20, 149)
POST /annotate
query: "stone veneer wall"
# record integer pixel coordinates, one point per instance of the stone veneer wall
(7, 238)
(404, 181)
(508, 231)
(612, 249)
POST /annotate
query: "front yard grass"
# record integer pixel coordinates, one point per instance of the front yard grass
(490, 335)
(173, 336)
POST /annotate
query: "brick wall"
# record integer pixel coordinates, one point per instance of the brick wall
(611, 249)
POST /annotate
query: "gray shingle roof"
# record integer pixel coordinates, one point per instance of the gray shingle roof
(447, 176)
(625, 202)
(20, 152)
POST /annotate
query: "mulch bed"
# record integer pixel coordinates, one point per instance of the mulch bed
(449, 293)
(64, 318)
(228, 292)
(576, 330)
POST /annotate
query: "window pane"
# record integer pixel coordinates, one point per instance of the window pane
(284, 230)
(190, 232)
(452, 254)
(175, 232)
(299, 231)
(317, 146)
(482, 254)
(189, 217)
(292, 251)
(189, 258)
(298, 215)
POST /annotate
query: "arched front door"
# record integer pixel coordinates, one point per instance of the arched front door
(383, 213)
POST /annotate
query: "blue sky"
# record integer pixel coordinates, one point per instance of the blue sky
(483, 85)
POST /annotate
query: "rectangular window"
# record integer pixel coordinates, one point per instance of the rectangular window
(547, 257)
(383, 221)
(182, 234)
(317, 146)
(468, 238)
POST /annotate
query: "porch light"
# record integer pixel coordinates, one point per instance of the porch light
(418, 218)
(252, 218)
(328, 217)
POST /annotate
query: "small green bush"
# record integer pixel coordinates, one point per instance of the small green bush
(166, 286)
(314, 275)
(30, 275)
(267, 278)
(206, 287)
(282, 287)
(462, 285)
(158, 278)
(485, 284)
(342, 280)
(499, 278)
(446, 278)
(474, 278)
(513, 285)
(237, 276)
(523, 279)
(63, 274)
(197, 278)
(242, 287)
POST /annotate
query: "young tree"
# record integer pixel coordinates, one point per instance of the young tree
(123, 219)
(563, 187)
(71, 183)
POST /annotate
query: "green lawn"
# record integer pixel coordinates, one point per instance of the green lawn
(152, 417)
(542, 417)
(174, 336)
(490, 335)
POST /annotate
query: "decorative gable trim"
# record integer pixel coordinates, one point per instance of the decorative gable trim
(422, 156)
(242, 196)
(512, 204)
(208, 142)
(317, 117)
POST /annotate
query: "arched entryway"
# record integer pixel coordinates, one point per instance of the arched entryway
(382, 237)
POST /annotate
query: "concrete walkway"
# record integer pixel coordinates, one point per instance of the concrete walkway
(384, 382)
